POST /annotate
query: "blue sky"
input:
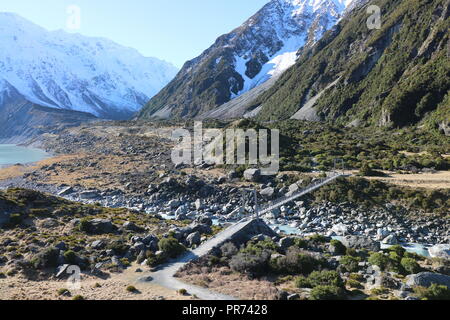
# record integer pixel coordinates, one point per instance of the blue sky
(173, 30)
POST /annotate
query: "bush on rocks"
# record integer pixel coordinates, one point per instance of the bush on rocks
(119, 247)
(349, 263)
(338, 247)
(327, 293)
(302, 282)
(434, 292)
(251, 264)
(228, 250)
(325, 278)
(410, 265)
(380, 260)
(48, 258)
(70, 257)
(171, 247)
(295, 262)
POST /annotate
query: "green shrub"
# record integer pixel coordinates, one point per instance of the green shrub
(325, 278)
(70, 257)
(78, 298)
(154, 260)
(350, 264)
(380, 260)
(182, 292)
(327, 293)
(398, 249)
(295, 262)
(15, 220)
(251, 264)
(434, 292)
(302, 282)
(339, 247)
(85, 225)
(119, 247)
(354, 284)
(47, 258)
(318, 238)
(171, 247)
(63, 291)
(410, 265)
(132, 289)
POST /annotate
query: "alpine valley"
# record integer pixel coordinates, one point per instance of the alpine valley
(359, 209)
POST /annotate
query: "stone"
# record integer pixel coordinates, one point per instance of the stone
(252, 175)
(89, 195)
(101, 226)
(65, 191)
(149, 239)
(98, 244)
(205, 220)
(268, 192)
(426, 279)
(193, 239)
(386, 281)
(199, 204)
(61, 246)
(294, 296)
(440, 251)
(131, 226)
(359, 242)
(286, 242)
(232, 175)
(340, 229)
(173, 204)
(282, 295)
(391, 240)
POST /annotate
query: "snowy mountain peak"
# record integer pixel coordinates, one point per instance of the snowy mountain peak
(70, 71)
(260, 49)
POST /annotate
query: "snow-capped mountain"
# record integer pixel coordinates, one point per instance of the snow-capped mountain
(70, 71)
(263, 47)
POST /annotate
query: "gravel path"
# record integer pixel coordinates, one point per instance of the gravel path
(164, 276)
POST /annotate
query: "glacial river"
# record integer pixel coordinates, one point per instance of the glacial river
(12, 154)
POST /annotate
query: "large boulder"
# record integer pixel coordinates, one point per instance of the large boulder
(4, 218)
(268, 192)
(101, 226)
(89, 195)
(340, 229)
(426, 279)
(358, 242)
(193, 239)
(253, 228)
(252, 175)
(440, 251)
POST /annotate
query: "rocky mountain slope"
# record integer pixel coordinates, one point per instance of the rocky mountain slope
(396, 76)
(69, 71)
(263, 47)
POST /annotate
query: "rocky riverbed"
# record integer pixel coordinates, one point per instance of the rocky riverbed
(222, 202)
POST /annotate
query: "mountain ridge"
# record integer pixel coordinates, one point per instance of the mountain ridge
(263, 46)
(70, 71)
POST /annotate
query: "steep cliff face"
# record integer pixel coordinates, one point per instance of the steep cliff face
(263, 47)
(396, 76)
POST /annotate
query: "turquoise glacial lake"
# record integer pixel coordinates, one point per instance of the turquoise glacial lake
(12, 154)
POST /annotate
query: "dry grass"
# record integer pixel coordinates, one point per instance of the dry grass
(432, 181)
(19, 170)
(114, 288)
